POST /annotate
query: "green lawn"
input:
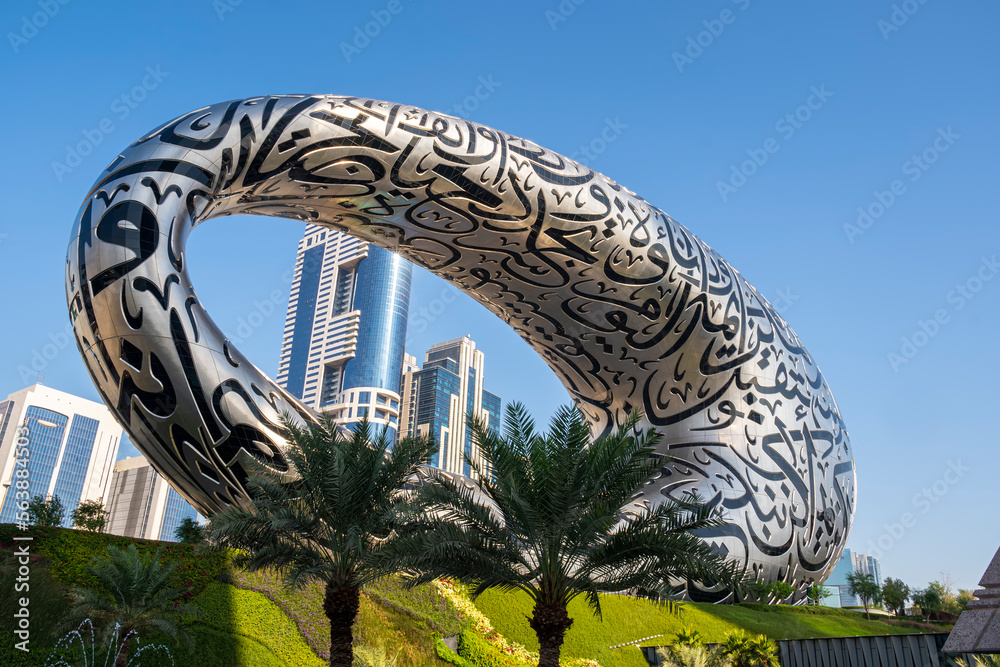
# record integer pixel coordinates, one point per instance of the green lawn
(626, 619)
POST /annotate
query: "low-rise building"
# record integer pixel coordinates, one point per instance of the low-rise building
(142, 504)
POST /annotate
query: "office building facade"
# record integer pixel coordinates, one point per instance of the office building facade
(346, 327)
(869, 565)
(142, 504)
(439, 397)
(850, 563)
(71, 445)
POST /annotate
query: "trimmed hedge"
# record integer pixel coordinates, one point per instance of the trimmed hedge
(69, 552)
(12, 657)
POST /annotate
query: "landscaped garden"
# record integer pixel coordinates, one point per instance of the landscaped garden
(349, 564)
(252, 619)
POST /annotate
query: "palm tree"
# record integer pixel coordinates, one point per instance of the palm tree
(866, 589)
(136, 595)
(332, 521)
(688, 650)
(554, 516)
(749, 650)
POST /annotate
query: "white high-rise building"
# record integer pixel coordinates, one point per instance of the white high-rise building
(142, 504)
(71, 446)
(868, 565)
(849, 563)
(407, 410)
(345, 328)
(439, 398)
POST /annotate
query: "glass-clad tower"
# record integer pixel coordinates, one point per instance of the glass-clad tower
(438, 399)
(56, 444)
(346, 327)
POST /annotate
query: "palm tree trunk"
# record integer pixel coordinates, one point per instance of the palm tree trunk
(124, 638)
(341, 605)
(550, 623)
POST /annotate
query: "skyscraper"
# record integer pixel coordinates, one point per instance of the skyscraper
(438, 398)
(869, 565)
(141, 503)
(407, 410)
(69, 444)
(849, 563)
(346, 326)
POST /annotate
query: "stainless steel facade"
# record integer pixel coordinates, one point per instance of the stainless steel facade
(629, 308)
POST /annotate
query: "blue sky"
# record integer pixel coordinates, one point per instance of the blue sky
(834, 111)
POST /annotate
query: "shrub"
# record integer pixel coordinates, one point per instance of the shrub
(375, 657)
(745, 649)
(49, 602)
(12, 657)
(780, 590)
(442, 651)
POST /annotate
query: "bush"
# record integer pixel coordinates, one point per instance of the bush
(692, 655)
(442, 651)
(375, 657)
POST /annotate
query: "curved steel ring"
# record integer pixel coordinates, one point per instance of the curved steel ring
(629, 308)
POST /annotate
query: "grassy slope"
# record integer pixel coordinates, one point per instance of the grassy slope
(245, 628)
(626, 619)
(379, 625)
(258, 622)
(240, 627)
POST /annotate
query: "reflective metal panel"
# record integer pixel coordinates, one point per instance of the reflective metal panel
(629, 308)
